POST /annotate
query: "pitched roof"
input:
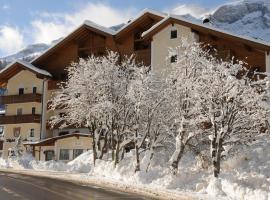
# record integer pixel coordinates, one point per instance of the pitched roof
(141, 14)
(15, 67)
(28, 66)
(203, 27)
(101, 29)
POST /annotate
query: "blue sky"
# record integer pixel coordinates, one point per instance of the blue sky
(23, 22)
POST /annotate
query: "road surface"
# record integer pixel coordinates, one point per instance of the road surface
(23, 187)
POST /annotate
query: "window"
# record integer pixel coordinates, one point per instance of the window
(32, 132)
(1, 130)
(173, 34)
(1, 145)
(49, 155)
(34, 90)
(77, 152)
(173, 59)
(17, 131)
(19, 111)
(21, 91)
(64, 154)
(33, 110)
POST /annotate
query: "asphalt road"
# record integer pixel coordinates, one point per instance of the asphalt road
(22, 187)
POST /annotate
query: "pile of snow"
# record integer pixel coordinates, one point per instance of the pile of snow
(244, 176)
(81, 164)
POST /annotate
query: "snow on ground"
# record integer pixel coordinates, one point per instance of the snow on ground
(245, 176)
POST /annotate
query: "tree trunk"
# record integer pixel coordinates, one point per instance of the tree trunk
(178, 154)
(151, 157)
(104, 147)
(137, 168)
(123, 153)
(117, 151)
(94, 149)
(216, 156)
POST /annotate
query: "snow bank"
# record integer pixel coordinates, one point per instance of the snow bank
(245, 176)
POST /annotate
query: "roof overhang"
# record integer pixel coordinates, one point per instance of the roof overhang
(17, 66)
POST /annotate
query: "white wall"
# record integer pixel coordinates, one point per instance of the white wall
(162, 41)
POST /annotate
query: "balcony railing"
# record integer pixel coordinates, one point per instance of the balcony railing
(19, 119)
(24, 98)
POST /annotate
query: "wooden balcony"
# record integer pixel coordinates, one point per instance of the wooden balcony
(24, 98)
(20, 119)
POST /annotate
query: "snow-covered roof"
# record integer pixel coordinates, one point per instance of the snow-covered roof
(27, 65)
(102, 28)
(56, 138)
(99, 27)
(177, 17)
(143, 12)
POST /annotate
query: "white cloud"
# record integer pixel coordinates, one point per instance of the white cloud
(11, 39)
(51, 26)
(193, 10)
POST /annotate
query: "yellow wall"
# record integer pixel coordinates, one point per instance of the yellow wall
(72, 143)
(24, 79)
(27, 80)
(25, 134)
(162, 42)
(11, 109)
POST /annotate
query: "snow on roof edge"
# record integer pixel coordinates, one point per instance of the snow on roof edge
(205, 26)
(28, 65)
(57, 137)
(99, 27)
(143, 12)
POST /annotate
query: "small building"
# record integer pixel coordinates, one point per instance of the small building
(60, 148)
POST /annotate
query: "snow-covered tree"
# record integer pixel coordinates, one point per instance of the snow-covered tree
(95, 96)
(235, 104)
(184, 77)
(150, 115)
(18, 148)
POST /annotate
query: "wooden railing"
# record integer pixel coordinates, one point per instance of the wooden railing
(24, 98)
(19, 119)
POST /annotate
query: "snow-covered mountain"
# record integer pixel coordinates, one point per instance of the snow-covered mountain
(27, 54)
(247, 17)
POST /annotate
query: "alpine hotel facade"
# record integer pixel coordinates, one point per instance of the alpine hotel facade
(30, 85)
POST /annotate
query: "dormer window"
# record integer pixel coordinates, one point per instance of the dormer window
(173, 34)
